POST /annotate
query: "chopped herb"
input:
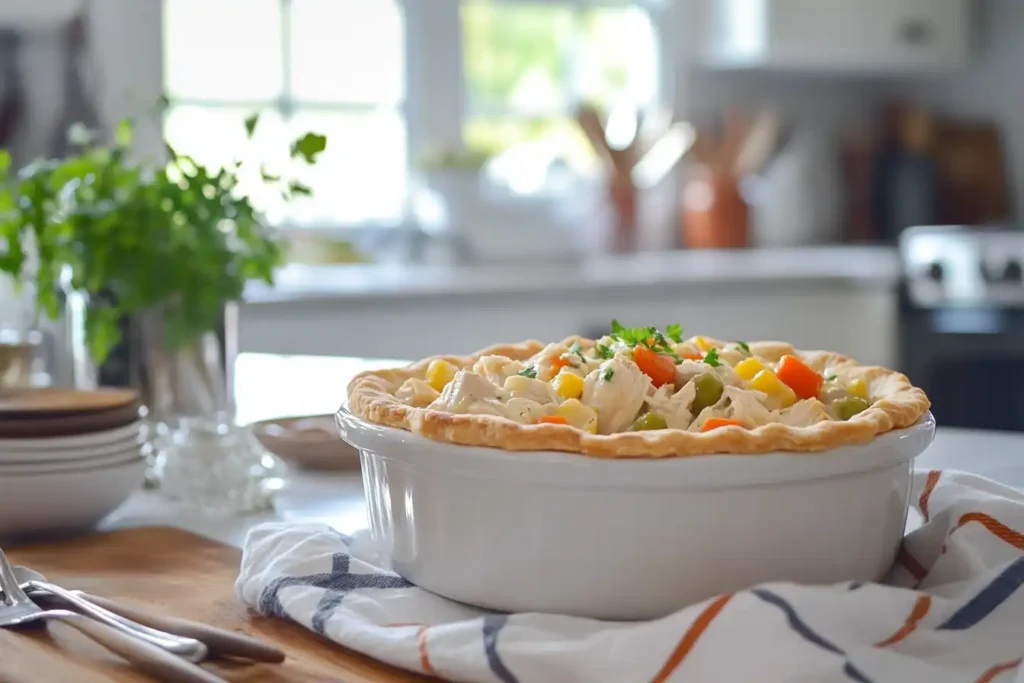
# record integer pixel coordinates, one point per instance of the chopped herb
(831, 378)
(711, 358)
(632, 335)
(530, 372)
(608, 374)
(576, 348)
(674, 332)
(645, 336)
(604, 352)
(744, 347)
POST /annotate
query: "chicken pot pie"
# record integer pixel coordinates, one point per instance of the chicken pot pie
(641, 392)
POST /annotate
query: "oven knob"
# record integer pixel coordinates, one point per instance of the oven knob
(1012, 272)
(935, 272)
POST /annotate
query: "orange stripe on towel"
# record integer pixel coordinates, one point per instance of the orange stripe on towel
(926, 493)
(997, 528)
(697, 628)
(989, 675)
(920, 611)
(910, 563)
(421, 640)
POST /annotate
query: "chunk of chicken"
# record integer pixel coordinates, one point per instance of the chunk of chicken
(689, 369)
(617, 390)
(544, 362)
(465, 392)
(416, 393)
(518, 386)
(497, 368)
(736, 404)
(472, 393)
(747, 406)
(802, 413)
(674, 406)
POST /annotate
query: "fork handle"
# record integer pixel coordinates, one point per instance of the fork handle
(220, 642)
(160, 664)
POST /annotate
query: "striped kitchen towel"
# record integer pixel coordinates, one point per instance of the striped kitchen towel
(952, 610)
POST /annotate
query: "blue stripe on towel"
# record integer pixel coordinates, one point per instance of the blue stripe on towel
(988, 599)
(492, 626)
(337, 584)
(805, 632)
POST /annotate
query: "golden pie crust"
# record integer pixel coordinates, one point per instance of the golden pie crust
(898, 404)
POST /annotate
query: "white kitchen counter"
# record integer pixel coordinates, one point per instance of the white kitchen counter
(275, 386)
(868, 267)
(838, 298)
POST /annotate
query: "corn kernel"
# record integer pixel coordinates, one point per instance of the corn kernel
(578, 415)
(568, 385)
(702, 343)
(858, 388)
(767, 383)
(748, 368)
(439, 373)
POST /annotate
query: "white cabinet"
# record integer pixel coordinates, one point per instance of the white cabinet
(833, 35)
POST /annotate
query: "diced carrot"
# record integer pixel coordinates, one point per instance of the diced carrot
(660, 368)
(716, 422)
(803, 380)
(553, 420)
(557, 363)
(693, 356)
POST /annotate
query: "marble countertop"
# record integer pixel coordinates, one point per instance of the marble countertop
(848, 265)
(271, 386)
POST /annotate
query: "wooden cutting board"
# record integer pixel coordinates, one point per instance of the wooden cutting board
(177, 573)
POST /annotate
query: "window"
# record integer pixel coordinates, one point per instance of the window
(386, 80)
(526, 65)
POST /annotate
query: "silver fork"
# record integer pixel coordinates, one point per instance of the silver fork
(18, 610)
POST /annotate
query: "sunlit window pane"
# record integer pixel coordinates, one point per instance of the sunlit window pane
(347, 51)
(223, 49)
(515, 55)
(561, 138)
(361, 176)
(527, 64)
(618, 56)
(216, 137)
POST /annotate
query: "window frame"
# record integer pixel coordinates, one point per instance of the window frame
(434, 108)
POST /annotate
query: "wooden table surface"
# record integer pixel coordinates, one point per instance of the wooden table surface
(177, 573)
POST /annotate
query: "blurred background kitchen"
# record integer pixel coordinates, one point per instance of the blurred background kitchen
(504, 169)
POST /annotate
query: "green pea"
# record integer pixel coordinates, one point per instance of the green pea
(848, 407)
(649, 422)
(709, 390)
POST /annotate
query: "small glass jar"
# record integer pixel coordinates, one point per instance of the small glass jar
(217, 466)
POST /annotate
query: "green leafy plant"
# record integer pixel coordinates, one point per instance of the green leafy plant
(176, 239)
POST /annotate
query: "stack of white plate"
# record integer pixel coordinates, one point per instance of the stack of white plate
(67, 459)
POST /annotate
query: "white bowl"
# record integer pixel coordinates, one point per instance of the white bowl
(630, 539)
(68, 500)
(112, 457)
(69, 447)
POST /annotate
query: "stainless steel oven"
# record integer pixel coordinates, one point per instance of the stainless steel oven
(961, 327)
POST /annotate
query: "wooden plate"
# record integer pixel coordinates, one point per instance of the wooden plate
(310, 442)
(43, 425)
(55, 401)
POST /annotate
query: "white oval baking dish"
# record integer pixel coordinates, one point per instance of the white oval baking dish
(629, 539)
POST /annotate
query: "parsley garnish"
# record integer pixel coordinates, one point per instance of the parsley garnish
(608, 374)
(831, 378)
(632, 335)
(645, 336)
(577, 349)
(711, 358)
(530, 372)
(604, 352)
(674, 332)
(744, 347)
